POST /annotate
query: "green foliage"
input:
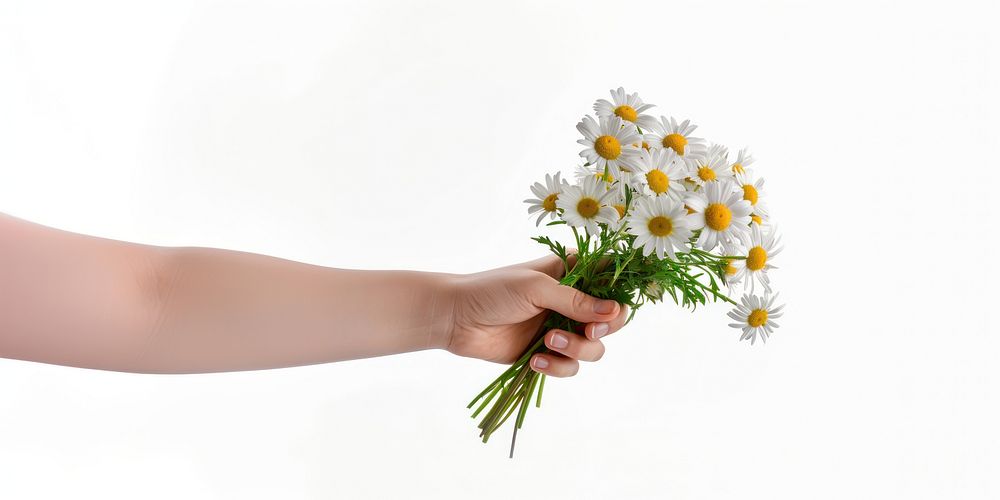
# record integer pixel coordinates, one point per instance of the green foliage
(605, 266)
(610, 268)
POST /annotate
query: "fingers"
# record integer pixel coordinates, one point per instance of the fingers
(572, 303)
(595, 331)
(568, 349)
(574, 346)
(554, 365)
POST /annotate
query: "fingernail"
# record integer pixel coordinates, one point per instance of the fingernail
(559, 341)
(600, 330)
(541, 363)
(605, 306)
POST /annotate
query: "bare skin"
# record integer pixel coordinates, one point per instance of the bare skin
(84, 301)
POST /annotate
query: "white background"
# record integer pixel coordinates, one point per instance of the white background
(405, 135)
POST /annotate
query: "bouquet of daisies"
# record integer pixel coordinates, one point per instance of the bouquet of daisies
(655, 212)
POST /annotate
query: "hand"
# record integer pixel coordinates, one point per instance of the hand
(498, 312)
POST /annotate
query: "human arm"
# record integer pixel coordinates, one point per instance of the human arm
(79, 300)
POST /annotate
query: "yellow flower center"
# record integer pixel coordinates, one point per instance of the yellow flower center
(621, 210)
(658, 181)
(549, 203)
(718, 216)
(737, 168)
(626, 113)
(606, 177)
(756, 218)
(608, 147)
(706, 174)
(587, 207)
(660, 226)
(757, 317)
(730, 269)
(690, 210)
(756, 259)
(675, 142)
(750, 193)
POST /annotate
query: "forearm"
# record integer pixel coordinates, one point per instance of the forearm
(222, 310)
(78, 300)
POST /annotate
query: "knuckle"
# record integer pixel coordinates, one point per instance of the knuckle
(536, 284)
(539, 278)
(553, 266)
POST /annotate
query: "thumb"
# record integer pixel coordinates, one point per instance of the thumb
(572, 303)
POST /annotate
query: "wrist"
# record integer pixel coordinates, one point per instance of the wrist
(442, 303)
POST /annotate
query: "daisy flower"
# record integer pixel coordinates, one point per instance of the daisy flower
(667, 133)
(763, 248)
(712, 167)
(546, 196)
(617, 200)
(608, 143)
(760, 220)
(584, 171)
(732, 275)
(722, 215)
(585, 205)
(743, 161)
(619, 186)
(753, 189)
(628, 107)
(659, 224)
(659, 172)
(756, 317)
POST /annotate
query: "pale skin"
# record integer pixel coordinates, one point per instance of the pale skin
(84, 301)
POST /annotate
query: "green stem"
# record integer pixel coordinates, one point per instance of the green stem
(541, 387)
(693, 278)
(533, 380)
(493, 393)
(619, 269)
